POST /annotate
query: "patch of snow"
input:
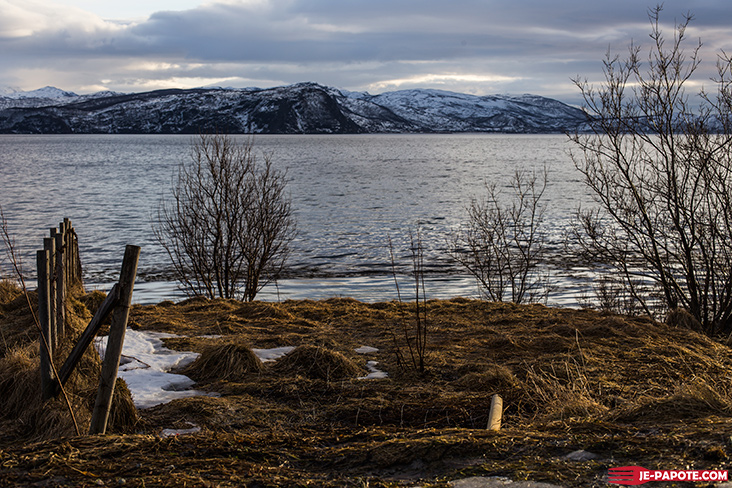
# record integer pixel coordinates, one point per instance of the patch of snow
(176, 432)
(145, 367)
(267, 355)
(374, 372)
(366, 350)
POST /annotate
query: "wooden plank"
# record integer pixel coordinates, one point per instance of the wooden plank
(115, 341)
(46, 348)
(87, 337)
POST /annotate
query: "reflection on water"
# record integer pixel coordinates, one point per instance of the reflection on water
(350, 195)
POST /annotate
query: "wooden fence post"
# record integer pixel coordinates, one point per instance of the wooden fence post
(49, 245)
(496, 413)
(60, 283)
(115, 341)
(77, 258)
(63, 227)
(46, 347)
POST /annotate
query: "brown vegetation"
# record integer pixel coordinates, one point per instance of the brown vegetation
(627, 389)
(23, 416)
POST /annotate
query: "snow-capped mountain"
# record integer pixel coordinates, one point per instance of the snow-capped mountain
(48, 92)
(302, 108)
(457, 112)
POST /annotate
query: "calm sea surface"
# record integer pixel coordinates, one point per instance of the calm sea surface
(350, 194)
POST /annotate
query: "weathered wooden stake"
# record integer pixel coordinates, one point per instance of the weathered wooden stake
(115, 341)
(49, 245)
(77, 259)
(63, 227)
(46, 347)
(496, 413)
(60, 283)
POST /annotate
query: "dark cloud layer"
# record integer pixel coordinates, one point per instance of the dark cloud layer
(468, 45)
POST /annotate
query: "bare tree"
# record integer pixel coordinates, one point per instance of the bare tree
(660, 169)
(229, 223)
(502, 244)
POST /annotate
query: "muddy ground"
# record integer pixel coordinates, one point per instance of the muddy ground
(583, 391)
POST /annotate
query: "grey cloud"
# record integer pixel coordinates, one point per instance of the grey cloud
(357, 44)
(387, 30)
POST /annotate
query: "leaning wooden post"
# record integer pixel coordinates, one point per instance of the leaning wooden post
(49, 244)
(46, 347)
(77, 259)
(115, 341)
(496, 413)
(60, 284)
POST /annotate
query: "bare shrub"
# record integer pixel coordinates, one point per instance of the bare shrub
(611, 296)
(229, 224)
(660, 169)
(502, 244)
(413, 324)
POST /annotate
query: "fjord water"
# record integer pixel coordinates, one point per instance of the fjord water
(350, 193)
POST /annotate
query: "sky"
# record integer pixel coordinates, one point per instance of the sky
(470, 46)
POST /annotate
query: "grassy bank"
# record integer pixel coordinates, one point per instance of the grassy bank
(627, 390)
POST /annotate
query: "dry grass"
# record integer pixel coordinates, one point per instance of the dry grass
(22, 412)
(9, 291)
(628, 389)
(318, 363)
(226, 362)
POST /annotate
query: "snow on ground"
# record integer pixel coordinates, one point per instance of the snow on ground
(374, 372)
(175, 432)
(145, 366)
(267, 355)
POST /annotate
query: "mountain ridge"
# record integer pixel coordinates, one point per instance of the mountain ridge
(301, 108)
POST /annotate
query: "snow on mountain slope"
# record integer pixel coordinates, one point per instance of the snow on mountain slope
(45, 92)
(458, 112)
(299, 108)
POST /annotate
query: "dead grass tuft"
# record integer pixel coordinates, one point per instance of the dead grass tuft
(228, 362)
(19, 380)
(561, 391)
(93, 300)
(495, 379)
(263, 310)
(681, 318)
(123, 417)
(318, 363)
(698, 398)
(551, 344)
(9, 291)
